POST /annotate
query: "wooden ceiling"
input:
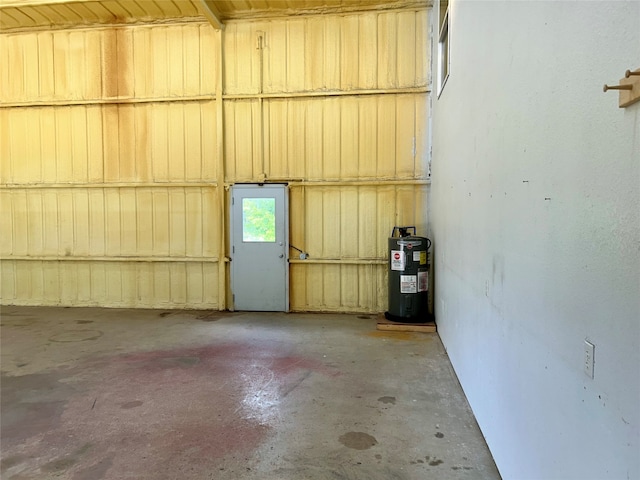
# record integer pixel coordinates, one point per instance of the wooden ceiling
(32, 14)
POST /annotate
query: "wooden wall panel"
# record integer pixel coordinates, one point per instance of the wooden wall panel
(243, 134)
(339, 223)
(156, 61)
(342, 222)
(5, 146)
(147, 142)
(370, 50)
(144, 221)
(329, 138)
(125, 284)
(6, 237)
(339, 288)
(110, 158)
(242, 65)
(66, 231)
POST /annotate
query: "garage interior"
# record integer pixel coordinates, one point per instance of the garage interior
(124, 144)
(125, 127)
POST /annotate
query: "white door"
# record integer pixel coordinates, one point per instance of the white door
(260, 248)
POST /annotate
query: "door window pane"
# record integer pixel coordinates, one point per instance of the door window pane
(258, 219)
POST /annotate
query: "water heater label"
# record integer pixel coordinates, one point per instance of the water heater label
(397, 260)
(408, 284)
(423, 281)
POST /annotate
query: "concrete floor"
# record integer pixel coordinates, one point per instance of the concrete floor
(91, 393)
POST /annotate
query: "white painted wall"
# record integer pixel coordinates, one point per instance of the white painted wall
(535, 211)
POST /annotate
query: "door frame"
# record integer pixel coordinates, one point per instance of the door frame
(232, 225)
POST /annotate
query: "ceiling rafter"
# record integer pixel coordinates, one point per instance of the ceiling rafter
(211, 12)
(69, 13)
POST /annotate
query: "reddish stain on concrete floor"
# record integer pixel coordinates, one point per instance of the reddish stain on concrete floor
(147, 415)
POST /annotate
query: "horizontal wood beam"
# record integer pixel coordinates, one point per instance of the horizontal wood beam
(35, 3)
(339, 8)
(212, 97)
(106, 101)
(325, 93)
(115, 258)
(32, 186)
(341, 261)
(210, 11)
(358, 183)
(298, 182)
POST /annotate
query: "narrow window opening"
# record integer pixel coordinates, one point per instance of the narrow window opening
(443, 45)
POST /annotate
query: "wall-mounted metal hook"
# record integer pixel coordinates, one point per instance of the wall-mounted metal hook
(259, 40)
(616, 87)
(628, 73)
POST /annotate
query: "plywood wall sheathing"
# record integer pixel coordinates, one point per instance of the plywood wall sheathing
(112, 166)
(176, 62)
(382, 50)
(109, 167)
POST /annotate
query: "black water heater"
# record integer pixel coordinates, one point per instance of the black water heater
(408, 276)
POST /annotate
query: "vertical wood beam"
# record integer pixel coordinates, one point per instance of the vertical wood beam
(260, 41)
(222, 264)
